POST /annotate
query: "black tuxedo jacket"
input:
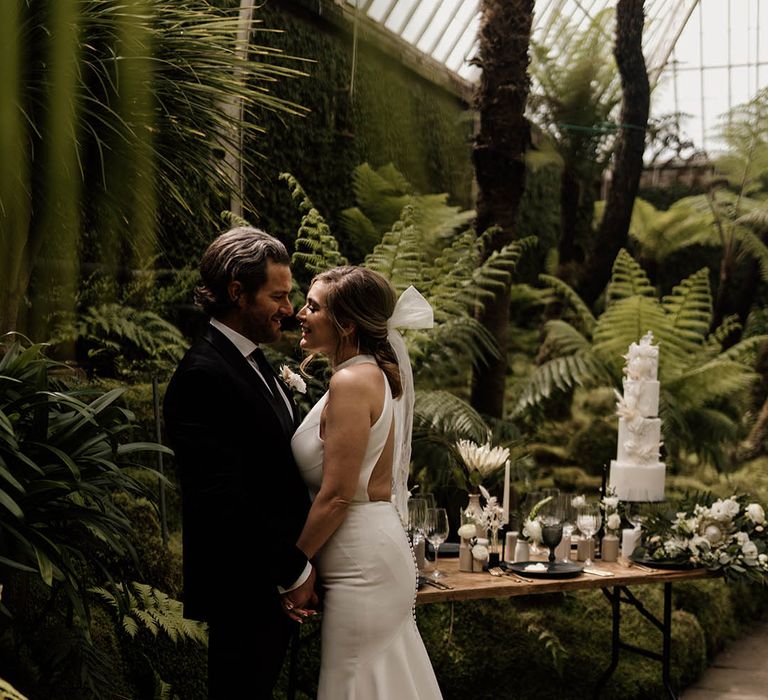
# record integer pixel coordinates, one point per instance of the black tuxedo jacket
(243, 501)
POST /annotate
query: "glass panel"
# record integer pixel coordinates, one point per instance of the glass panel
(437, 26)
(399, 14)
(379, 8)
(465, 11)
(416, 24)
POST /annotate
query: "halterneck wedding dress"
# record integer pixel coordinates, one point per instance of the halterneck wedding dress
(371, 648)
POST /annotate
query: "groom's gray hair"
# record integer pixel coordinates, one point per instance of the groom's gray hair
(240, 254)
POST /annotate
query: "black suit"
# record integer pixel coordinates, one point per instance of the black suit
(243, 506)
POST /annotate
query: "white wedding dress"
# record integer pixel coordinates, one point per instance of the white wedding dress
(371, 648)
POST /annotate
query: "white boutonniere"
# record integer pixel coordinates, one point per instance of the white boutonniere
(293, 381)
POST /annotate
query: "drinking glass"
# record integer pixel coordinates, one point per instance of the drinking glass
(437, 531)
(569, 520)
(417, 519)
(551, 518)
(588, 520)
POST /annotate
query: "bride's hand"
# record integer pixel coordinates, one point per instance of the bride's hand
(299, 603)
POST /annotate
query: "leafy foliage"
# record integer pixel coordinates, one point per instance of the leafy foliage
(701, 381)
(139, 606)
(118, 340)
(63, 454)
(450, 270)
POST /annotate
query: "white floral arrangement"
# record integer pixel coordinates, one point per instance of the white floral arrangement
(727, 535)
(490, 518)
(531, 525)
(611, 515)
(481, 461)
(293, 380)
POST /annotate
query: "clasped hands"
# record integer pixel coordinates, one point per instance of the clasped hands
(301, 602)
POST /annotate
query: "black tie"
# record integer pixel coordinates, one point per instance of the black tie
(269, 377)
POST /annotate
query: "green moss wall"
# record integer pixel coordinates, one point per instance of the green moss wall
(392, 116)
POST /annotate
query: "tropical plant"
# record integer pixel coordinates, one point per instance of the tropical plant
(106, 106)
(700, 380)
(63, 454)
(461, 276)
(575, 92)
(119, 341)
(498, 155)
(8, 692)
(381, 194)
(139, 606)
(627, 161)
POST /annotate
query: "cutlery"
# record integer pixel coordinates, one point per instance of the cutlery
(436, 584)
(597, 572)
(498, 571)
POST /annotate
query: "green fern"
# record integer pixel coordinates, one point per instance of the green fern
(8, 692)
(700, 381)
(121, 339)
(142, 607)
(628, 279)
(316, 249)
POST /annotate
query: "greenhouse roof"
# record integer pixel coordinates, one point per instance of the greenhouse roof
(703, 55)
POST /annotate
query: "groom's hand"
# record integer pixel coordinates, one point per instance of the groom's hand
(301, 602)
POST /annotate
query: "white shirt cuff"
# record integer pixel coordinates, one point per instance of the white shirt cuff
(304, 576)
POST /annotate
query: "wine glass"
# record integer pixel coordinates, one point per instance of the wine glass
(588, 520)
(569, 520)
(417, 519)
(437, 531)
(551, 518)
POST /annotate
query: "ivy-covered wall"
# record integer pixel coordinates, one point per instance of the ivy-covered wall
(392, 115)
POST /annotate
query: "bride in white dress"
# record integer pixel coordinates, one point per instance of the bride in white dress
(345, 448)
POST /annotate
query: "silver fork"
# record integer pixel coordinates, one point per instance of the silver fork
(498, 571)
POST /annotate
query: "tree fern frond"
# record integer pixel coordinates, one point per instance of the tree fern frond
(729, 325)
(757, 219)
(745, 351)
(399, 256)
(717, 379)
(583, 314)
(583, 368)
(561, 338)
(628, 279)
(750, 244)
(232, 220)
(496, 271)
(147, 608)
(316, 249)
(624, 322)
(446, 414)
(689, 307)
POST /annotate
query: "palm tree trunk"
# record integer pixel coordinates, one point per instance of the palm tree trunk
(614, 228)
(498, 156)
(233, 108)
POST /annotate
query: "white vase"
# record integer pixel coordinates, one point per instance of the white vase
(475, 511)
(465, 556)
(522, 551)
(609, 548)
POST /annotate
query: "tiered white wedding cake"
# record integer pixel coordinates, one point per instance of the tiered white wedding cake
(637, 474)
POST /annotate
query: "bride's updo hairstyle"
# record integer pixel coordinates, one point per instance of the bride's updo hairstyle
(366, 299)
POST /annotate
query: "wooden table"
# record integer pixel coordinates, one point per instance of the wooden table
(477, 586)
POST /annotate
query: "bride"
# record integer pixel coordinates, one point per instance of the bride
(353, 450)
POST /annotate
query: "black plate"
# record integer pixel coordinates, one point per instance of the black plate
(555, 569)
(664, 563)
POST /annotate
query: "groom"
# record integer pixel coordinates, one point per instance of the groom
(230, 421)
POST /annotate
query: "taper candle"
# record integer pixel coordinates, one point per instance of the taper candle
(505, 502)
